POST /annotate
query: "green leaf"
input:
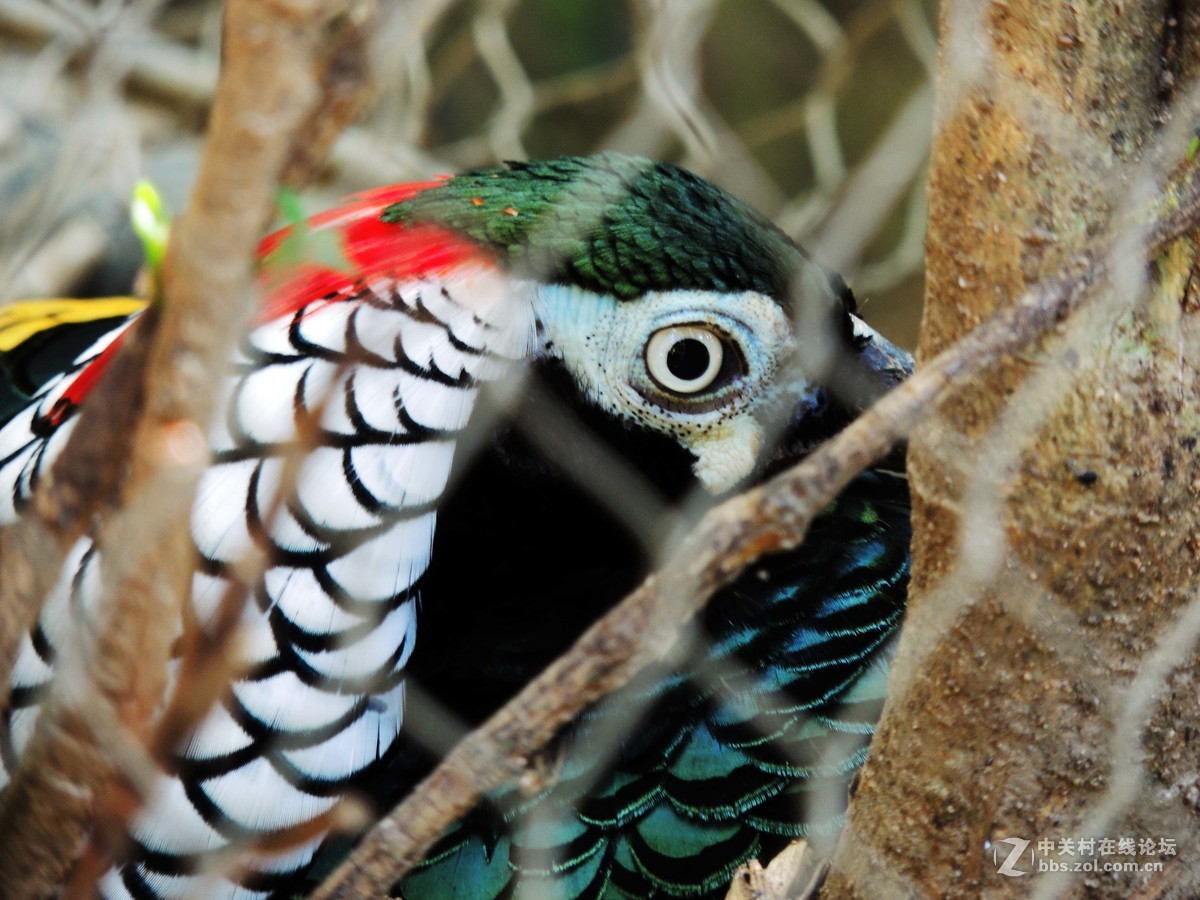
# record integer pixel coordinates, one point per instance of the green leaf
(152, 224)
(304, 245)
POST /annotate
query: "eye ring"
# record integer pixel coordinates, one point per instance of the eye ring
(685, 359)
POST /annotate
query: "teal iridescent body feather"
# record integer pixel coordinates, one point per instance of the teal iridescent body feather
(747, 744)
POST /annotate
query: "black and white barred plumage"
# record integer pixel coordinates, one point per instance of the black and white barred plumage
(390, 372)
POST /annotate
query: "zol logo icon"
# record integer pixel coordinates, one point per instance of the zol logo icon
(1009, 866)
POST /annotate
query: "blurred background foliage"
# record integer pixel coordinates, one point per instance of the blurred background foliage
(817, 113)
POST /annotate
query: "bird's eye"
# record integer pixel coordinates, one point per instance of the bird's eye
(684, 359)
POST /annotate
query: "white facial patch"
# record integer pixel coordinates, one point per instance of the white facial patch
(604, 343)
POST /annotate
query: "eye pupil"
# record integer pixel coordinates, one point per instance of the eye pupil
(688, 359)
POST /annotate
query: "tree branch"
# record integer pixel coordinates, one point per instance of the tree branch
(1055, 554)
(268, 92)
(80, 486)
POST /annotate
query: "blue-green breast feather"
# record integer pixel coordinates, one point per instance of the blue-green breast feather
(726, 751)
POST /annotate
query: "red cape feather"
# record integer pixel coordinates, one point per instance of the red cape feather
(373, 248)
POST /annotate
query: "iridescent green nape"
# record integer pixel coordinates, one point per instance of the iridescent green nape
(615, 224)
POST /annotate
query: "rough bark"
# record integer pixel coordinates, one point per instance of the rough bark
(1045, 682)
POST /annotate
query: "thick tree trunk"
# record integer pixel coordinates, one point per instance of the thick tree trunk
(1046, 684)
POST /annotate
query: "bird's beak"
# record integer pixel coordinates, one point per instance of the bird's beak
(817, 398)
(823, 402)
(878, 367)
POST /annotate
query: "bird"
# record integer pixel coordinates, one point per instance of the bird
(433, 544)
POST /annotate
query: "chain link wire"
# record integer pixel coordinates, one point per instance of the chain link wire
(819, 114)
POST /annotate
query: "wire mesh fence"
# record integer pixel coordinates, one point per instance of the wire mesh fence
(772, 99)
(818, 114)
(766, 98)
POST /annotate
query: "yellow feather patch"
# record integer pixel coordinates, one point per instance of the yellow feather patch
(22, 320)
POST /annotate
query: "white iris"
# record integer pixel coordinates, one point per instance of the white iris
(684, 359)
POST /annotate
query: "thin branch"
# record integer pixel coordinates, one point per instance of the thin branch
(81, 484)
(268, 92)
(775, 516)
